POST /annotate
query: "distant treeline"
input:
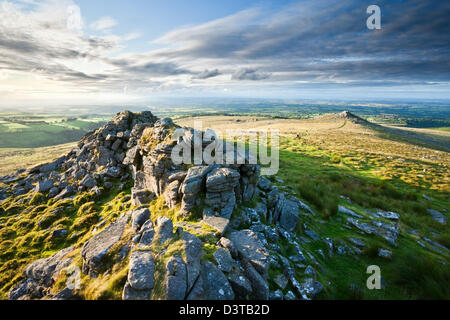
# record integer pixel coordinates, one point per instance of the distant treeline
(428, 123)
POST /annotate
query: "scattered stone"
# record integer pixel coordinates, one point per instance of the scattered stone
(312, 234)
(276, 295)
(281, 281)
(357, 242)
(290, 296)
(384, 253)
(44, 186)
(437, 216)
(388, 215)
(349, 212)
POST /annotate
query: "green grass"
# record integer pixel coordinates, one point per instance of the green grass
(317, 178)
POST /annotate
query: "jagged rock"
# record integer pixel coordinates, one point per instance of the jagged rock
(222, 179)
(349, 212)
(223, 259)
(216, 284)
(171, 193)
(141, 271)
(176, 281)
(357, 242)
(59, 233)
(289, 215)
(191, 186)
(147, 234)
(329, 243)
(384, 253)
(281, 281)
(113, 172)
(53, 192)
(88, 182)
(99, 245)
(40, 275)
(220, 204)
(192, 247)
(276, 295)
(140, 197)
(132, 294)
(388, 215)
(312, 234)
(437, 216)
(229, 245)
(310, 271)
(47, 167)
(275, 204)
(177, 176)
(290, 296)
(240, 284)
(44, 186)
(163, 229)
(66, 192)
(139, 217)
(260, 287)
(308, 289)
(251, 249)
(218, 223)
(305, 207)
(65, 294)
(132, 156)
(264, 184)
(43, 270)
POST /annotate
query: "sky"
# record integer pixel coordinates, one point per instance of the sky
(80, 52)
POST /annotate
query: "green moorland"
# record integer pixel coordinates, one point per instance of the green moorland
(344, 164)
(29, 130)
(322, 178)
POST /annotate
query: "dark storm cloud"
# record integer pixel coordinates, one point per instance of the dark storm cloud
(329, 37)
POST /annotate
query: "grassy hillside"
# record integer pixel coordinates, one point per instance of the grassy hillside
(40, 130)
(327, 162)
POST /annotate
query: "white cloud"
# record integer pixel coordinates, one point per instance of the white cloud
(132, 36)
(104, 23)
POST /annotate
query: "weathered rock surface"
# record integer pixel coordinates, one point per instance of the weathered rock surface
(251, 249)
(41, 275)
(98, 246)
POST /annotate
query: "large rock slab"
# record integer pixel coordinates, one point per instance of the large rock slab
(289, 215)
(41, 274)
(141, 270)
(193, 248)
(211, 285)
(222, 179)
(176, 280)
(251, 249)
(99, 245)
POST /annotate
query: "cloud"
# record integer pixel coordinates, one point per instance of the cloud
(206, 74)
(313, 44)
(103, 23)
(249, 74)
